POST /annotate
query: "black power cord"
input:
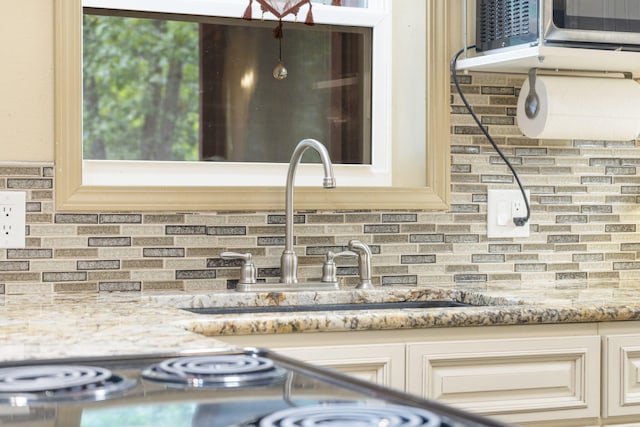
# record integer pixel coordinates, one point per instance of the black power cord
(518, 221)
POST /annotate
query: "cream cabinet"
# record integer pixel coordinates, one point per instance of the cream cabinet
(621, 379)
(565, 375)
(517, 379)
(537, 375)
(376, 359)
(378, 363)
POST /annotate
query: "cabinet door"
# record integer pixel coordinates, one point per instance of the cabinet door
(379, 363)
(621, 375)
(516, 380)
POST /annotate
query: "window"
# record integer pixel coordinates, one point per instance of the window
(195, 82)
(419, 127)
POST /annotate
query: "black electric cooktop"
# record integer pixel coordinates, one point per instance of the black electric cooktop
(239, 387)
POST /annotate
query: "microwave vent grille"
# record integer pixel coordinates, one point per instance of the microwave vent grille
(502, 23)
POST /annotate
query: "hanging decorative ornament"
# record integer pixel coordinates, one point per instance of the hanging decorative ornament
(280, 71)
(280, 9)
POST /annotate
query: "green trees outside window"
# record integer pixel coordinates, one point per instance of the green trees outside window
(166, 87)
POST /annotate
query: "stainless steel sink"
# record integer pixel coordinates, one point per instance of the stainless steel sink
(328, 307)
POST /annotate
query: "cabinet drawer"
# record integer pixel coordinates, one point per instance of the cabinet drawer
(517, 380)
(379, 363)
(621, 391)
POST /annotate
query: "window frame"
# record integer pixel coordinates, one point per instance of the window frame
(73, 194)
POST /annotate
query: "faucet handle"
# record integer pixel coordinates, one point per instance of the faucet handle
(329, 269)
(364, 263)
(247, 269)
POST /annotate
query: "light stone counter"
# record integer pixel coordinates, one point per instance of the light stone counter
(33, 327)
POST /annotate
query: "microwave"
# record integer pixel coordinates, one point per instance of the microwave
(598, 24)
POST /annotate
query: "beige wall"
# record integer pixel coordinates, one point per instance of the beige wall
(26, 81)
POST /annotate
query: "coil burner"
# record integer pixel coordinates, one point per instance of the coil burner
(25, 385)
(216, 371)
(350, 415)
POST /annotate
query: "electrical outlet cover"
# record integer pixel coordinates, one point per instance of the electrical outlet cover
(13, 206)
(502, 207)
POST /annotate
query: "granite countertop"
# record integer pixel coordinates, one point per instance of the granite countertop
(75, 325)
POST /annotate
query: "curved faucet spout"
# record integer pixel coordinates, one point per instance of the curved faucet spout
(289, 260)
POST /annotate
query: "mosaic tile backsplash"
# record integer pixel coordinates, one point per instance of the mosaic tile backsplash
(585, 198)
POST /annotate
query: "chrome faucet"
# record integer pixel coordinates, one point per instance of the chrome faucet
(364, 263)
(289, 260)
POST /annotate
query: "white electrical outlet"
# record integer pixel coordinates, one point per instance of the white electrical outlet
(502, 207)
(13, 206)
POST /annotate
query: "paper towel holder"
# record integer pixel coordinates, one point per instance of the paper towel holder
(532, 101)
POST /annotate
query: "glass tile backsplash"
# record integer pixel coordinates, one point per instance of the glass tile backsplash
(585, 201)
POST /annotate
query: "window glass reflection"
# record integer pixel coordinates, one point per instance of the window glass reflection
(174, 87)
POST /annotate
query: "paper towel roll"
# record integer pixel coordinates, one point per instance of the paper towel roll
(582, 108)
